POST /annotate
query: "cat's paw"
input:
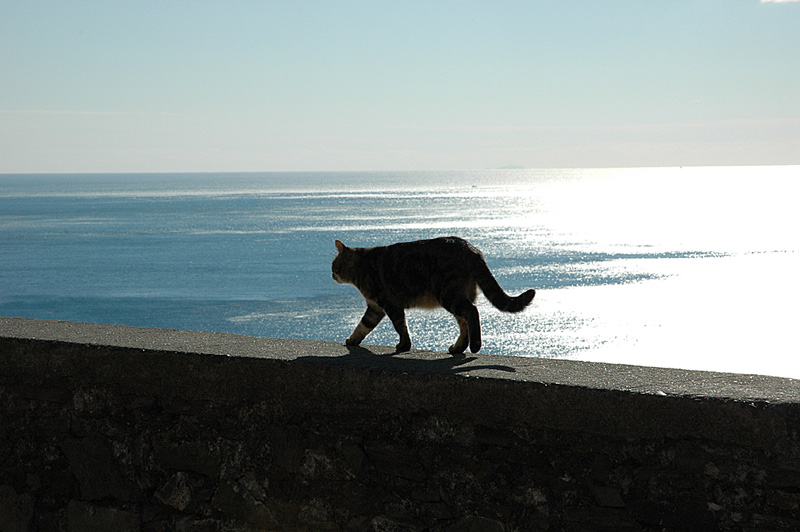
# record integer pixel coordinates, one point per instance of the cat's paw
(402, 346)
(475, 343)
(457, 349)
(351, 341)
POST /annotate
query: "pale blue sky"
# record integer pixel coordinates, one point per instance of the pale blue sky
(124, 86)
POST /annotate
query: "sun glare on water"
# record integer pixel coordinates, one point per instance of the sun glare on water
(728, 310)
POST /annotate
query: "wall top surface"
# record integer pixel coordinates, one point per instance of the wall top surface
(613, 377)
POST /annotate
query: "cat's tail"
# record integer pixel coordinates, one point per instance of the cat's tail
(495, 293)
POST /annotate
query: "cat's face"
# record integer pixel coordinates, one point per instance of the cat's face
(343, 264)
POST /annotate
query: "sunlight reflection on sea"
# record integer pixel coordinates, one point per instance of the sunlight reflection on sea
(680, 267)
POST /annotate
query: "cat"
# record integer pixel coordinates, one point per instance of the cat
(441, 272)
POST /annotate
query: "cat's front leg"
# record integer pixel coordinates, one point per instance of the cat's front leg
(463, 338)
(398, 317)
(372, 317)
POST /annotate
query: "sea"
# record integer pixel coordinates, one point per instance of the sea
(693, 268)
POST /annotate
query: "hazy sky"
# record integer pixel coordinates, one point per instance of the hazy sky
(140, 86)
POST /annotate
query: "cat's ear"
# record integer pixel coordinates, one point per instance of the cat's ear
(339, 246)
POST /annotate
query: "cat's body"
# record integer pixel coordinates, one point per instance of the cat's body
(442, 272)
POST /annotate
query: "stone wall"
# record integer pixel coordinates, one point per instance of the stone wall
(117, 428)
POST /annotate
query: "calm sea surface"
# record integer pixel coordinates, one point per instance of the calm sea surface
(693, 268)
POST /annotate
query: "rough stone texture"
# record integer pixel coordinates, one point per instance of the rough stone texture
(119, 428)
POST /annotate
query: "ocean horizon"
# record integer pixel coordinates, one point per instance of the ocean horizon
(692, 268)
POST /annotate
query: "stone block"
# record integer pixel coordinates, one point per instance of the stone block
(198, 456)
(93, 464)
(83, 517)
(235, 501)
(176, 492)
(16, 510)
(475, 523)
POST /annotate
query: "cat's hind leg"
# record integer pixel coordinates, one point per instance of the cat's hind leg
(466, 312)
(474, 326)
(463, 338)
(372, 317)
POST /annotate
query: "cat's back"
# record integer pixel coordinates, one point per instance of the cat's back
(442, 252)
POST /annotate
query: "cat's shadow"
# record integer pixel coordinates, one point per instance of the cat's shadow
(423, 362)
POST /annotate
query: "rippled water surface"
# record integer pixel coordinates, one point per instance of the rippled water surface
(693, 268)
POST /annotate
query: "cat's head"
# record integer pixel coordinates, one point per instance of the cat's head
(343, 264)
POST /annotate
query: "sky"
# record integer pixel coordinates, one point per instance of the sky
(272, 85)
